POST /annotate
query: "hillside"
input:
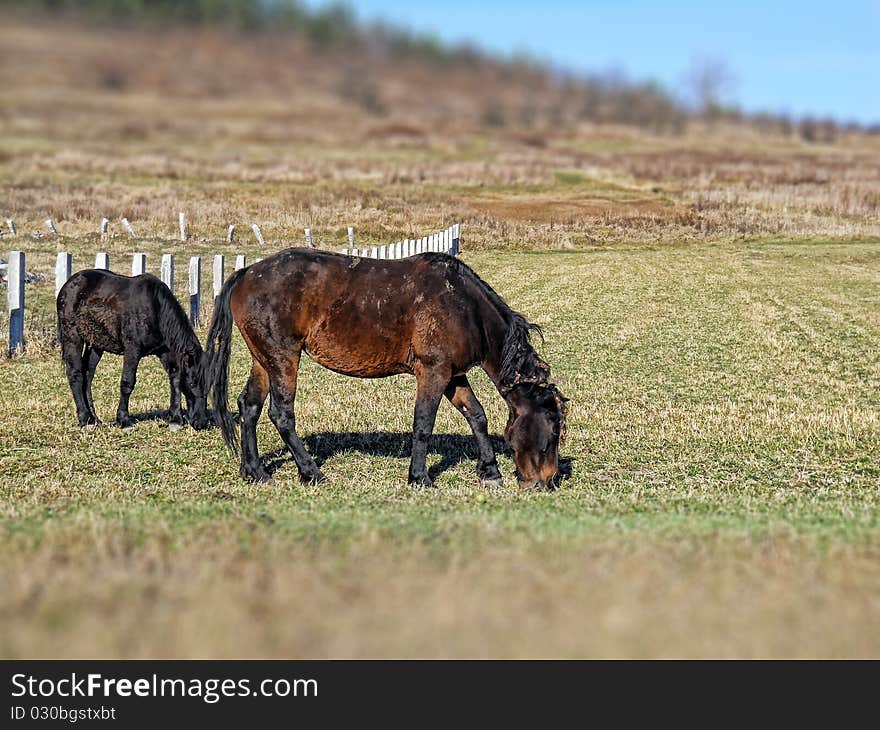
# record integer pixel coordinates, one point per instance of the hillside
(110, 121)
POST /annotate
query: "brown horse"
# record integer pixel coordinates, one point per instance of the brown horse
(428, 315)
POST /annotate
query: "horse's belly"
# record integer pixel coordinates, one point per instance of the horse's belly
(356, 362)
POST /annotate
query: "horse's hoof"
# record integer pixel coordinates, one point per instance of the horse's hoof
(314, 479)
(126, 425)
(175, 427)
(92, 426)
(258, 475)
(492, 483)
(423, 482)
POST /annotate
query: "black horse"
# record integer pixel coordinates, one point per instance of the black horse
(132, 316)
(428, 315)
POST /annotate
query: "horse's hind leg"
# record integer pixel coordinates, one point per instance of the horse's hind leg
(72, 356)
(91, 358)
(250, 405)
(282, 385)
(461, 395)
(130, 361)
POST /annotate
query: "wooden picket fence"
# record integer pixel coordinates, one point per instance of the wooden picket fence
(447, 241)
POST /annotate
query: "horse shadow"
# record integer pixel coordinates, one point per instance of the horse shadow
(452, 449)
(157, 414)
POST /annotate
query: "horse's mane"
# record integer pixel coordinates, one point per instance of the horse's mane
(520, 364)
(518, 357)
(175, 326)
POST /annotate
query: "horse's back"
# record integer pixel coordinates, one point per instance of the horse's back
(94, 305)
(359, 316)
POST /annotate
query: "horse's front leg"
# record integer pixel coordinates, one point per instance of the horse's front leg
(282, 389)
(431, 385)
(461, 395)
(130, 360)
(175, 412)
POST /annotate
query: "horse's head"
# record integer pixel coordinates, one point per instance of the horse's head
(535, 430)
(192, 383)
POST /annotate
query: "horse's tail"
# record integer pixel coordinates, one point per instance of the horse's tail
(217, 351)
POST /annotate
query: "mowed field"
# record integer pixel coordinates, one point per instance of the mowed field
(724, 458)
(711, 304)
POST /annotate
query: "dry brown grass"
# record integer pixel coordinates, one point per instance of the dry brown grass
(141, 124)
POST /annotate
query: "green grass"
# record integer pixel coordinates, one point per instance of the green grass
(724, 445)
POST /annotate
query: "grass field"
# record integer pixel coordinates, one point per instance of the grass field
(724, 450)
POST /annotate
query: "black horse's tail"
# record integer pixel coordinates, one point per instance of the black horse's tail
(217, 351)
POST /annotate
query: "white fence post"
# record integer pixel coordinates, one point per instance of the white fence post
(105, 227)
(11, 225)
(240, 262)
(50, 224)
(383, 252)
(138, 264)
(195, 289)
(350, 237)
(256, 230)
(128, 227)
(230, 233)
(309, 237)
(15, 297)
(219, 273)
(181, 222)
(166, 270)
(63, 265)
(456, 239)
(102, 261)
(374, 253)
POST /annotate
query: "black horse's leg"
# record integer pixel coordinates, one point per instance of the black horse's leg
(72, 355)
(461, 395)
(250, 405)
(175, 414)
(282, 384)
(130, 360)
(91, 358)
(428, 393)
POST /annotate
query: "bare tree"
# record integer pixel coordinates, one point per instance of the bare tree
(709, 81)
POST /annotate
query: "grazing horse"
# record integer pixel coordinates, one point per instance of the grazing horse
(132, 316)
(427, 315)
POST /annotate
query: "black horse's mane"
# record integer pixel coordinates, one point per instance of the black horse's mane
(175, 326)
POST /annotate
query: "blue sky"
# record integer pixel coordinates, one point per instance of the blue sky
(797, 57)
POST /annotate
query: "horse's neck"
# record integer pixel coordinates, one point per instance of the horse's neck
(496, 332)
